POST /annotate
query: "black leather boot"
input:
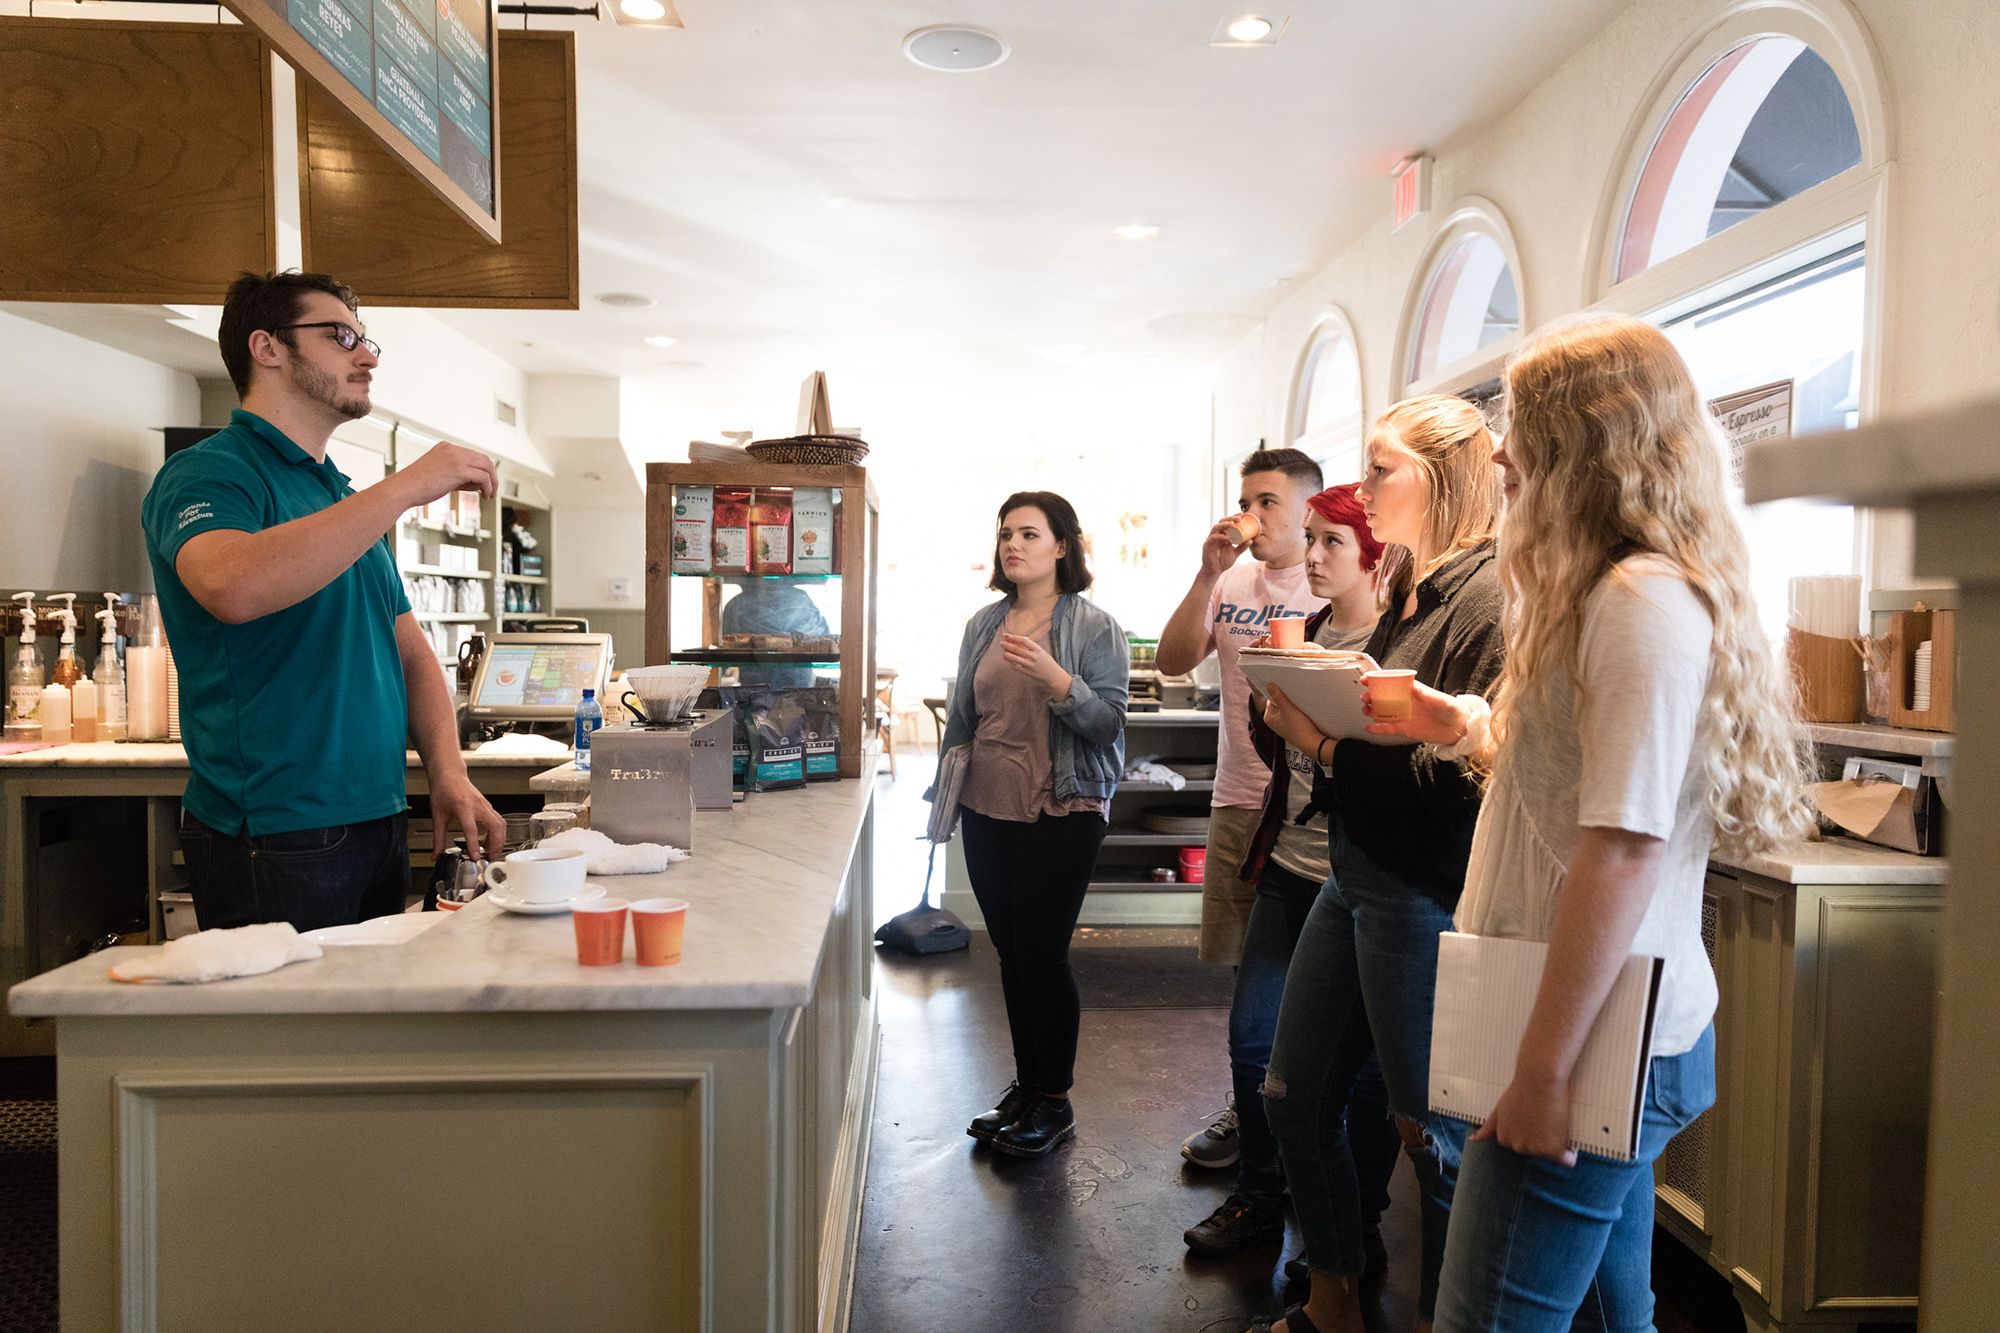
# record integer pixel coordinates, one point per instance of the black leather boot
(1012, 1102)
(1046, 1122)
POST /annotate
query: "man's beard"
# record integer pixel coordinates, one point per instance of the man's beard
(324, 388)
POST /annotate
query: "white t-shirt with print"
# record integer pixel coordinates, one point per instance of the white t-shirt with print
(1246, 599)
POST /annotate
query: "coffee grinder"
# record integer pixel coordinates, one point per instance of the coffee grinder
(648, 776)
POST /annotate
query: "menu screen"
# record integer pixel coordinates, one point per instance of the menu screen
(539, 675)
(425, 65)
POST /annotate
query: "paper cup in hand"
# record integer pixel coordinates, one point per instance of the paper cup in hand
(1288, 632)
(658, 925)
(1243, 528)
(539, 874)
(600, 931)
(1389, 694)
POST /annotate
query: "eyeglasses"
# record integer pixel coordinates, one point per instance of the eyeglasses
(344, 334)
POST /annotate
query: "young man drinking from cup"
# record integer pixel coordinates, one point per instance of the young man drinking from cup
(1230, 605)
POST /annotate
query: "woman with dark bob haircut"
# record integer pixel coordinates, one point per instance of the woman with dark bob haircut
(1040, 699)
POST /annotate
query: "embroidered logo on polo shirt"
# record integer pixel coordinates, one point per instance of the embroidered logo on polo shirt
(194, 513)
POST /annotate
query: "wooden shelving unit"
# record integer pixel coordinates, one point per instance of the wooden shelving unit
(856, 544)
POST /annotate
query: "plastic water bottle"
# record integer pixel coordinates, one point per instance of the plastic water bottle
(589, 717)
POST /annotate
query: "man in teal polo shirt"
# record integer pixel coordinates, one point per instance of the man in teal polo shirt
(302, 670)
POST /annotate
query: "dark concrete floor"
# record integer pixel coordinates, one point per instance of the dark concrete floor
(955, 1237)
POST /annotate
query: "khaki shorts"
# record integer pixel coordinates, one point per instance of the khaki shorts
(1225, 899)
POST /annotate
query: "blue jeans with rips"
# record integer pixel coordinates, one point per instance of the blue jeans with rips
(1363, 977)
(1276, 919)
(1538, 1247)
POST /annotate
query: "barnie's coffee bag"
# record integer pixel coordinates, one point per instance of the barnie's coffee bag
(776, 722)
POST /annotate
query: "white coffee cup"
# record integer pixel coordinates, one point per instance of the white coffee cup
(539, 874)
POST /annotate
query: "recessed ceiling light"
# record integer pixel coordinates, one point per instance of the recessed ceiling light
(661, 340)
(1249, 30)
(626, 300)
(951, 48)
(1135, 231)
(646, 13)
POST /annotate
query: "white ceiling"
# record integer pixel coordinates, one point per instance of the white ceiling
(795, 194)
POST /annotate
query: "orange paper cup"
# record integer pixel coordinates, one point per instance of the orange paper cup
(1389, 694)
(1288, 632)
(657, 927)
(600, 931)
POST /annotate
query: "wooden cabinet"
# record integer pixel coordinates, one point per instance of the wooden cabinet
(1804, 1184)
(687, 616)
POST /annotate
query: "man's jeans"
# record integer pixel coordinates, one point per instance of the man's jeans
(1363, 978)
(311, 878)
(1279, 914)
(1537, 1247)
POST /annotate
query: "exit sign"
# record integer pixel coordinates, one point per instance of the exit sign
(1413, 189)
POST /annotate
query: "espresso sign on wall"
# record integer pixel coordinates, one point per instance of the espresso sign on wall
(419, 74)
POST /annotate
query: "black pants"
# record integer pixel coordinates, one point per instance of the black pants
(311, 878)
(1030, 880)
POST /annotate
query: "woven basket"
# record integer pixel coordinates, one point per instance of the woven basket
(822, 450)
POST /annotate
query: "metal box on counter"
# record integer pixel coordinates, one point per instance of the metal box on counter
(646, 782)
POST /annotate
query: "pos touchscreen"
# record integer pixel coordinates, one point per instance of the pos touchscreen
(539, 677)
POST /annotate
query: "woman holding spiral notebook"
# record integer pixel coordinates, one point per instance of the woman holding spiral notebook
(1641, 718)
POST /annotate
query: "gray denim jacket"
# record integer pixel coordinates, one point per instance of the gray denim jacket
(1086, 727)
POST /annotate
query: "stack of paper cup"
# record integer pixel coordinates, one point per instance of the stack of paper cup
(173, 698)
(1920, 679)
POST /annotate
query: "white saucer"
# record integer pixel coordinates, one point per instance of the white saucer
(591, 892)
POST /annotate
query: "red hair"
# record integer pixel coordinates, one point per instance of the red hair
(1336, 504)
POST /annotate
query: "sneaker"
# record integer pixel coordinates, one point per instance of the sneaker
(1235, 1225)
(1216, 1146)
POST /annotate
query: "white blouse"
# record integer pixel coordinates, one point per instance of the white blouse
(1615, 755)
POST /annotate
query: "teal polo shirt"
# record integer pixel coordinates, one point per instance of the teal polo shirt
(298, 719)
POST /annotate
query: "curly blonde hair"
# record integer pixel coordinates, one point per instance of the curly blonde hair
(1616, 455)
(1454, 451)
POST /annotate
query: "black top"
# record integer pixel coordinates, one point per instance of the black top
(1401, 810)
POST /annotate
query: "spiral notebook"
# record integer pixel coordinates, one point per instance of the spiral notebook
(1485, 991)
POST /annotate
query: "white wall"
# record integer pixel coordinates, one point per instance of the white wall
(80, 444)
(594, 546)
(1545, 164)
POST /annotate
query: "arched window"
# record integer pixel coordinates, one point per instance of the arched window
(1326, 416)
(1468, 301)
(1763, 123)
(1744, 221)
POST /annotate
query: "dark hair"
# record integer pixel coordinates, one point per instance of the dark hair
(1292, 462)
(1072, 575)
(265, 302)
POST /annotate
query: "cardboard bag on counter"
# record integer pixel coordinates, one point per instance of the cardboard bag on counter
(1893, 805)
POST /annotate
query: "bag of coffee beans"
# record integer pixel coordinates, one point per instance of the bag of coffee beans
(776, 722)
(822, 734)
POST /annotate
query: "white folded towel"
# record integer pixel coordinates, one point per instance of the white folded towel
(215, 955)
(602, 856)
(1151, 770)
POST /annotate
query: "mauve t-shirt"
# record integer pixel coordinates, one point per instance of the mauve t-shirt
(1246, 599)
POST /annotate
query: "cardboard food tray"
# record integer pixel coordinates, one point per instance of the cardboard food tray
(1329, 695)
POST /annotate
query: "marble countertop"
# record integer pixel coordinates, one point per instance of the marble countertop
(762, 885)
(1946, 451)
(1841, 861)
(169, 754)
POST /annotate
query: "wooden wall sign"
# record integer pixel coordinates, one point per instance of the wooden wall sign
(418, 74)
(135, 161)
(366, 220)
